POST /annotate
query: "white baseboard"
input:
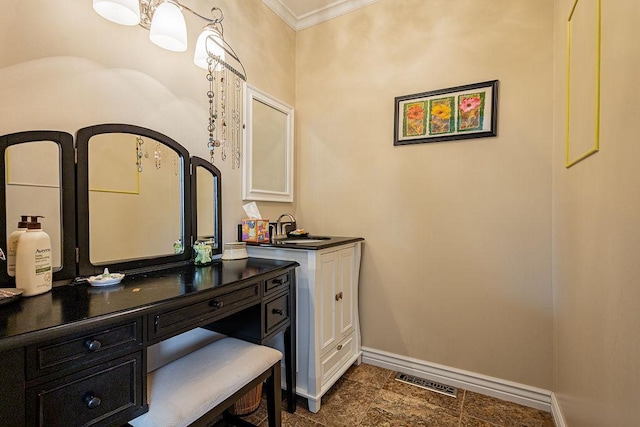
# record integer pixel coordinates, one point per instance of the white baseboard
(557, 412)
(502, 389)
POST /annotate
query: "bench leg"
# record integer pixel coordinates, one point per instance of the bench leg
(274, 397)
(290, 372)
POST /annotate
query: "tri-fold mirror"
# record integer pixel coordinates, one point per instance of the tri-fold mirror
(135, 200)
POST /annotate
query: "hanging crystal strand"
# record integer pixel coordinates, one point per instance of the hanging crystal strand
(212, 110)
(236, 124)
(139, 142)
(223, 112)
(158, 156)
(230, 137)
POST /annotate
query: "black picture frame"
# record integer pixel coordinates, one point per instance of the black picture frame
(455, 113)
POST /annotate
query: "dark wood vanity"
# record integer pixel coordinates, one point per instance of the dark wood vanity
(77, 355)
(133, 200)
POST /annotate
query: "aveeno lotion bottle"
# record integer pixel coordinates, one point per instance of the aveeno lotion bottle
(33, 260)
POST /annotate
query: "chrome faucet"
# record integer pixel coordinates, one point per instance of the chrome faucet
(281, 229)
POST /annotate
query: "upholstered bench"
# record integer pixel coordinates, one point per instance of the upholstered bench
(197, 388)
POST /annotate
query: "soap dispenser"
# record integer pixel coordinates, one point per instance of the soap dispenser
(33, 260)
(12, 245)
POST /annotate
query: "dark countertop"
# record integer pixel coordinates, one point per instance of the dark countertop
(70, 304)
(330, 242)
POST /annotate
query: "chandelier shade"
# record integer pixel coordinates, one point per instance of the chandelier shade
(123, 12)
(209, 42)
(168, 28)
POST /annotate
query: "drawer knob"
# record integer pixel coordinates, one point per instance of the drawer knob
(92, 401)
(216, 304)
(277, 311)
(340, 347)
(93, 345)
(277, 281)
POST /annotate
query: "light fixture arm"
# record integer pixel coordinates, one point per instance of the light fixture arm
(229, 51)
(213, 11)
(148, 7)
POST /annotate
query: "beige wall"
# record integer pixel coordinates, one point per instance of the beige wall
(63, 67)
(597, 238)
(456, 264)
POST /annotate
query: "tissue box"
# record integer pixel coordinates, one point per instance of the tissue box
(255, 230)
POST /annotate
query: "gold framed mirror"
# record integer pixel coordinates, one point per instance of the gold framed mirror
(582, 132)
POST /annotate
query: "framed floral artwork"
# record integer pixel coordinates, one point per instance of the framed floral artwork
(460, 112)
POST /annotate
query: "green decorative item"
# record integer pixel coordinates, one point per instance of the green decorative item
(202, 251)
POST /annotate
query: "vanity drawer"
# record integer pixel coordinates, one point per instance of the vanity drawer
(56, 356)
(189, 316)
(337, 357)
(275, 284)
(107, 394)
(276, 312)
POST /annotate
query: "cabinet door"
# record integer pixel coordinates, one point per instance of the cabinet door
(337, 296)
(327, 296)
(346, 291)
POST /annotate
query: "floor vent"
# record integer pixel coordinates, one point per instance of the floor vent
(427, 384)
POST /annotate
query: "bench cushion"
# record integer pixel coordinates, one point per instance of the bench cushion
(187, 388)
(174, 348)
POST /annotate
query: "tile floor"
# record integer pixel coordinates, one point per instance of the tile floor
(369, 396)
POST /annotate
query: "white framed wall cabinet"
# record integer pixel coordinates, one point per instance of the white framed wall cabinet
(327, 324)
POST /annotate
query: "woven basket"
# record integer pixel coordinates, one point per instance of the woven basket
(248, 403)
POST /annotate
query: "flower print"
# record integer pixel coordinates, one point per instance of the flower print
(469, 104)
(470, 107)
(415, 112)
(441, 111)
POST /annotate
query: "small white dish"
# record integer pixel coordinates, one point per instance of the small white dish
(106, 278)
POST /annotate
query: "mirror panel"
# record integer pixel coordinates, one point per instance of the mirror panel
(269, 168)
(268, 148)
(132, 183)
(206, 187)
(38, 179)
(135, 200)
(33, 188)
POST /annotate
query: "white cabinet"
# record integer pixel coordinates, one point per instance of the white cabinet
(327, 325)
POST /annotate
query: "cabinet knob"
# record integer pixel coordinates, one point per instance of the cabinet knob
(339, 296)
(92, 401)
(216, 304)
(340, 347)
(277, 311)
(93, 345)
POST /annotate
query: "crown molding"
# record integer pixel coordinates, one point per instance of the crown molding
(338, 8)
(283, 12)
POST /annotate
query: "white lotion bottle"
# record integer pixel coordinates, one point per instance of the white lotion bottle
(33, 260)
(12, 245)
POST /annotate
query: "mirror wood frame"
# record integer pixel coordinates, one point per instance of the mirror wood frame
(85, 266)
(200, 162)
(252, 190)
(67, 197)
(74, 192)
